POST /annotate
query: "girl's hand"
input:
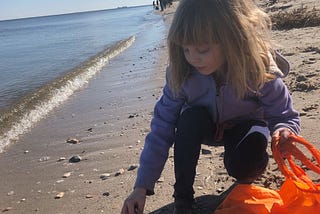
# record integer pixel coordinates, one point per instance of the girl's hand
(135, 202)
(284, 134)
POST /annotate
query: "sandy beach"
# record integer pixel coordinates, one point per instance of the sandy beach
(110, 117)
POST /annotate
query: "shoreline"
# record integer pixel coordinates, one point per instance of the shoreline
(31, 108)
(110, 117)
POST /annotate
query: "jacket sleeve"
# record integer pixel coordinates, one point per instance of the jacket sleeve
(159, 140)
(278, 108)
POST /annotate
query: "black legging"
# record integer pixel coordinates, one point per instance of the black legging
(244, 161)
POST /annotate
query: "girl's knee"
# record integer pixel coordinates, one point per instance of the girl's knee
(195, 117)
(249, 160)
(194, 125)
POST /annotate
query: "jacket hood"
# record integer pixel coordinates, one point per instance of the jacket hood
(279, 66)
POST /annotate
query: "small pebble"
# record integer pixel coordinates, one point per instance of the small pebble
(205, 151)
(219, 190)
(46, 158)
(106, 194)
(104, 176)
(121, 171)
(10, 193)
(160, 180)
(59, 181)
(7, 209)
(89, 196)
(132, 167)
(59, 195)
(66, 175)
(75, 159)
(61, 159)
(73, 140)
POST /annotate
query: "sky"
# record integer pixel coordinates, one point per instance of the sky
(13, 9)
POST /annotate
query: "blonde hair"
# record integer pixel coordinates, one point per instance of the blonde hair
(239, 26)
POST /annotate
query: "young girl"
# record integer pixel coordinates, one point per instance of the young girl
(223, 86)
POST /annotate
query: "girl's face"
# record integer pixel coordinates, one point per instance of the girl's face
(206, 58)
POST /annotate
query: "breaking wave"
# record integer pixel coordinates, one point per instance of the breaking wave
(22, 116)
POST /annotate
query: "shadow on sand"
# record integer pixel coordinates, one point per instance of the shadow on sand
(205, 204)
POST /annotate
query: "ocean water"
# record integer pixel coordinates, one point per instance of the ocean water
(44, 60)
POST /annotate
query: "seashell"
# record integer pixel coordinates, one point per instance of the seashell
(59, 195)
(66, 175)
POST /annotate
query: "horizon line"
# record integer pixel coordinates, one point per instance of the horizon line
(70, 13)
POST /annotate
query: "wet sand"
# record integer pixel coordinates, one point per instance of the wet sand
(110, 118)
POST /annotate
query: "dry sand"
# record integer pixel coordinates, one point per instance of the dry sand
(111, 123)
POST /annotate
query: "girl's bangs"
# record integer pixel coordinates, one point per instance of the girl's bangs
(194, 31)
